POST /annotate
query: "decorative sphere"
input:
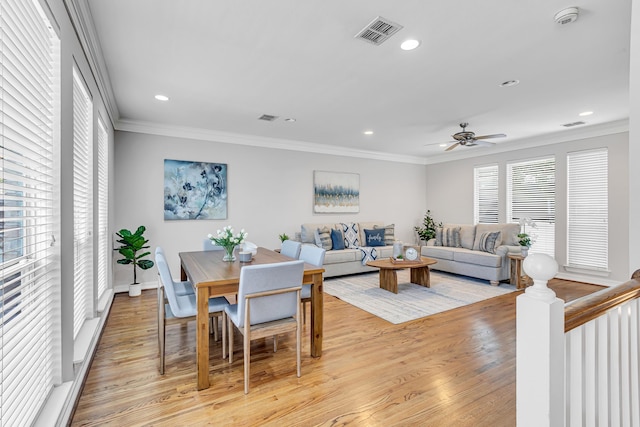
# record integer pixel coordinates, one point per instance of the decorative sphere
(540, 266)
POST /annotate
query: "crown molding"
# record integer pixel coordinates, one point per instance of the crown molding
(80, 15)
(259, 141)
(609, 128)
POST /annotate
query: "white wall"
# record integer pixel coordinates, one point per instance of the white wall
(270, 192)
(450, 193)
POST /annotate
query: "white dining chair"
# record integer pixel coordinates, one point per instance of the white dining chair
(179, 308)
(207, 245)
(268, 305)
(311, 255)
(290, 248)
(181, 288)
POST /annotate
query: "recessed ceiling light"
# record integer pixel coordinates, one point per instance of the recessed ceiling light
(509, 83)
(410, 44)
(368, 132)
(290, 119)
(162, 97)
(585, 113)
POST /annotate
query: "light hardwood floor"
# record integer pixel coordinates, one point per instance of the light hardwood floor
(455, 368)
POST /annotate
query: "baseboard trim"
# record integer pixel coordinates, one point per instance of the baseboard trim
(125, 288)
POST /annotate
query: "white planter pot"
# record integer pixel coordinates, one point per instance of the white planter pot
(524, 250)
(135, 290)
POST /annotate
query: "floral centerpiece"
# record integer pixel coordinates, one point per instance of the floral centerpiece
(228, 240)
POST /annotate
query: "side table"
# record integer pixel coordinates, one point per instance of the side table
(518, 277)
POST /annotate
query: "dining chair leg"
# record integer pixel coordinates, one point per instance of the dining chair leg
(230, 337)
(247, 351)
(224, 335)
(216, 335)
(161, 337)
(298, 341)
(304, 312)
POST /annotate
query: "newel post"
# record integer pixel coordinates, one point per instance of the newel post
(539, 348)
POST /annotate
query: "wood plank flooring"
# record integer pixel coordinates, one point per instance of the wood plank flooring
(455, 368)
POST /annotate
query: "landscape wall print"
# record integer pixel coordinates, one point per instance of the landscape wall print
(336, 192)
(195, 190)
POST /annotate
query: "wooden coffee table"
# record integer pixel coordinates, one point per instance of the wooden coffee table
(389, 278)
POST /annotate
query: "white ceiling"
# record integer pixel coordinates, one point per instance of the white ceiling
(225, 63)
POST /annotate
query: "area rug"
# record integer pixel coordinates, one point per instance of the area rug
(447, 291)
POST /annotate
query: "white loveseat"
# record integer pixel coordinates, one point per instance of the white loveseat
(466, 256)
(348, 260)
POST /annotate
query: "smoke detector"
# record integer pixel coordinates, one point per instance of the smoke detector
(566, 16)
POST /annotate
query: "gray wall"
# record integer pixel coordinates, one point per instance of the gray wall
(450, 193)
(270, 192)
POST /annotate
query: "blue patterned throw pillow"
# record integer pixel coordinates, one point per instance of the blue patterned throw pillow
(374, 237)
(351, 232)
(489, 242)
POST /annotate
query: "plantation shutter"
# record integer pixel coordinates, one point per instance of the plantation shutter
(588, 209)
(29, 74)
(531, 193)
(103, 207)
(82, 204)
(485, 200)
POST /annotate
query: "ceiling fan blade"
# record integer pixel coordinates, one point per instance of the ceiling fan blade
(451, 147)
(496, 135)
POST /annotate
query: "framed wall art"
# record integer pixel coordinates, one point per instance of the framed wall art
(194, 190)
(336, 192)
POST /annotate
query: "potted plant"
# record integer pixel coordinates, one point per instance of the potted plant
(525, 243)
(283, 237)
(131, 246)
(428, 229)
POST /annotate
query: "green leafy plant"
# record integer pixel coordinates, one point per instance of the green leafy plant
(132, 244)
(428, 229)
(524, 239)
(283, 237)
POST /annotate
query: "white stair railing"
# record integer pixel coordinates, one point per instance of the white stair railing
(577, 364)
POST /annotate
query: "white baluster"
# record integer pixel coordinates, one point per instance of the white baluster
(540, 348)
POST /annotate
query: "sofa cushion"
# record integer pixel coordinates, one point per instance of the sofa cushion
(478, 258)
(438, 252)
(509, 233)
(351, 235)
(308, 231)
(323, 238)
(467, 234)
(374, 237)
(446, 236)
(371, 225)
(337, 239)
(489, 241)
(345, 255)
(389, 233)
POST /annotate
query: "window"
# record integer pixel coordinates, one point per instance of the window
(485, 195)
(531, 193)
(588, 209)
(82, 204)
(29, 74)
(103, 207)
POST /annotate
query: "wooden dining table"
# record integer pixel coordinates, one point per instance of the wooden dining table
(213, 277)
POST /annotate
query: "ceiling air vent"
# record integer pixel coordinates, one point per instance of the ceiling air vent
(267, 117)
(378, 30)
(569, 125)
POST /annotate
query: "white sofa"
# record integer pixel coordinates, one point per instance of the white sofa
(465, 256)
(349, 260)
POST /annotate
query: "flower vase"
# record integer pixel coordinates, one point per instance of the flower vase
(524, 250)
(228, 254)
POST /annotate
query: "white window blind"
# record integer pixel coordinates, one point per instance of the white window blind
(82, 204)
(103, 207)
(485, 197)
(531, 193)
(588, 209)
(29, 77)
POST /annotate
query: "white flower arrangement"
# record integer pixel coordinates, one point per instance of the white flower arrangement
(227, 239)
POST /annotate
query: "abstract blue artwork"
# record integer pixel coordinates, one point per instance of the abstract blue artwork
(195, 190)
(336, 192)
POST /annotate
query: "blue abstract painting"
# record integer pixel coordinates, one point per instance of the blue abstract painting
(336, 192)
(194, 190)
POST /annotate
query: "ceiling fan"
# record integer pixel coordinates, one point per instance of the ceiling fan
(469, 139)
